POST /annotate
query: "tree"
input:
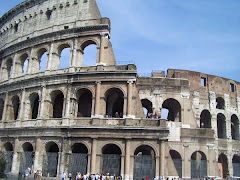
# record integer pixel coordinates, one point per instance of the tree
(3, 164)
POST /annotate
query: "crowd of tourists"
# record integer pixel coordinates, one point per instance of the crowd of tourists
(98, 176)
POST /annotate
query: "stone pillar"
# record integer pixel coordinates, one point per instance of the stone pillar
(94, 156)
(13, 72)
(4, 116)
(125, 107)
(16, 157)
(97, 98)
(38, 158)
(122, 165)
(64, 156)
(22, 106)
(212, 100)
(157, 172)
(68, 106)
(162, 158)
(42, 111)
(127, 159)
(102, 50)
(76, 55)
(53, 58)
(130, 94)
(227, 102)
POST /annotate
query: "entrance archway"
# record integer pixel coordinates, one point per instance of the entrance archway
(79, 159)
(223, 165)
(26, 157)
(236, 165)
(8, 154)
(50, 160)
(177, 162)
(144, 163)
(198, 165)
(111, 159)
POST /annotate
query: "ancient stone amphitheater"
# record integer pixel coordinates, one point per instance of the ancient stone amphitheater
(91, 119)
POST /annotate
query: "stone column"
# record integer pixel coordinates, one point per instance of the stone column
(53, 58)
(16, 157)
(42, 110)
(94, 155)
(162, 158)
(64, 155)
(129, 107)
(4, 116)
(68, 106)
(238, 104)
(127, 159)
(76, 55)
(38, 158)
(97, 98)
(13, 72)
(102, 50)
(22, 110)
(212, 100)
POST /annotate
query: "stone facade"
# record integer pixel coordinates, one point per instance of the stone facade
(97, 114)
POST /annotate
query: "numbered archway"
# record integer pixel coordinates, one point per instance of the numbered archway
(111, 159)
(223, 165)
(26, 157)
(198, 165)
(144, 163)
(175, 163)
(50, 160)
(79, 159)
(8, 154)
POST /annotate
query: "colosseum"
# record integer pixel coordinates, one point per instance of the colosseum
(106, 118)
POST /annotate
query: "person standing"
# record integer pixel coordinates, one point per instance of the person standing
(26, 173)
(63, 176)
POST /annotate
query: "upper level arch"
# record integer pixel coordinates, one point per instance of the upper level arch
(1, 108)
(220, 103)
(34, 105)
(56, 106)
(23, 67)
(89, 41)
(205, 119)
(84, 99)
(14, 108)
(174, 109)
(6, 68)
(221, 126)
(147, 107)
(64, 52)
(234, 127)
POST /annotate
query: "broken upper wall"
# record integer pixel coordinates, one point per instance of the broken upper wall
(37, 17)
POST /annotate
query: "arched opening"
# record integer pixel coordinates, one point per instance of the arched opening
(1, 108)
(57, 104)
(221, 126)
(79, 159)
(84, 97)
(111, 159)
(205, 119)
(9, 65)
(144, 163)
(146, 104)
(34, 102)
(8, 154)
(220, 103)
(198, 165)
(223, 165)
(235, 127)
(90, 53)
(24, 59)
(64, 52)
(236, 165)
(15, 108)
(50, 160)
(43, 57)
(27, 157)
(174, 109)
(114, 103)
(176, 164)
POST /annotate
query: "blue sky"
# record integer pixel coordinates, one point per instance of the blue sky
(198, 35)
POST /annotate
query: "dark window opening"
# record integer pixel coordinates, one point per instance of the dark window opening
(84, 103)
(52, 147)
(35, 106)
(205, 119)
(8, 146)
(234, 127)
(111, 149)
(66, 27)
(232, 87)
(16, 27)
(223, 165)
(114, 104)
(58, 106)
(16, 104)
(236, 165)
(203, 81)
(49, 14)
(221, 126)
(220, 104)
(177, 162)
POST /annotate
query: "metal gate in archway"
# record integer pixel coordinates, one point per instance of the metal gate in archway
(236, 169)
(178, 165)
(8, 156)
(198, 168)
(50, 164)
(78, 163)
(144, 165)
(26, 161)
(111, 163)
